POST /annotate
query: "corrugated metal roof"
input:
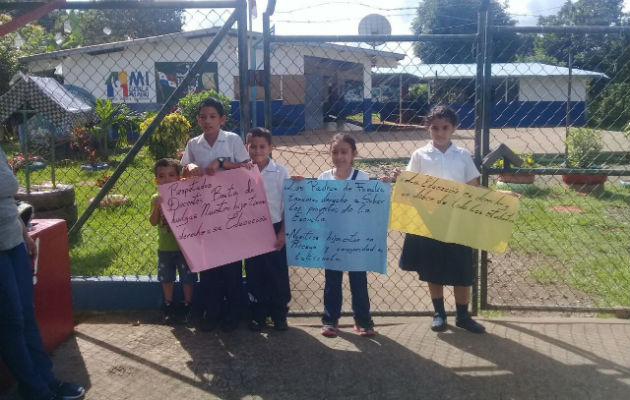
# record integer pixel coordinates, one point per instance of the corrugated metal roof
(499, 70)
(119, 46)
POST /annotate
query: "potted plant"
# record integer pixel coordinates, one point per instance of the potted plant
(583, 147)
(524, 178)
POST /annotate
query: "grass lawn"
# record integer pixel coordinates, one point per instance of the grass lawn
(587, 250)
(115, 240)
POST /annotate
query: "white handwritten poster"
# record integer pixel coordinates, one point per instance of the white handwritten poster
(219, 219)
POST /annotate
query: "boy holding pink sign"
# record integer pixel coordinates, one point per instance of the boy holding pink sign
(222, 295)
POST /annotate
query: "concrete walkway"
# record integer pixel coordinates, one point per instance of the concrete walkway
(129, 357)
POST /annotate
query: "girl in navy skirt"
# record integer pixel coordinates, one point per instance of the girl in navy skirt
(439, 263)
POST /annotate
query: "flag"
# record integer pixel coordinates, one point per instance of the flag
(253, 11)
(167, 79)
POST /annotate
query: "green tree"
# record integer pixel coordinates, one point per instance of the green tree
(608, 99)
(460, 16)
(607, 53)
(102, 26)
(29, 39)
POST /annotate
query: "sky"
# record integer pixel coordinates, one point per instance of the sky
(342, 16)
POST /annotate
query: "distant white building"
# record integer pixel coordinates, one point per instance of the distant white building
(522, 94)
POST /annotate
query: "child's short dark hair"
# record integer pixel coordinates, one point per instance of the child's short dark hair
(167, 162)
(214, 103)
(442, 112)
(344, 137)
(259, 132)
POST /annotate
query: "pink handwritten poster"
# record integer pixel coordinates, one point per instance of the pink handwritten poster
(219, 219)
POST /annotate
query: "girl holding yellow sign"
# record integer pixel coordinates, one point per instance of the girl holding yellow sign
(439, 263)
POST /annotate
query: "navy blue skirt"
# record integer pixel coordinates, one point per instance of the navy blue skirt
(437, 262)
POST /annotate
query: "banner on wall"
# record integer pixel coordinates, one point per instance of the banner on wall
(453, 212)
(128, 86)
(168, 75)
(339, 225)
(219, 219)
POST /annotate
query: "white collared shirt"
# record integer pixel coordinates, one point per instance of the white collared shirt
(328, 175)
(228, 145)
(273, 176)
(454, 164)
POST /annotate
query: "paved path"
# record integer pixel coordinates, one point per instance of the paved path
(519, 358)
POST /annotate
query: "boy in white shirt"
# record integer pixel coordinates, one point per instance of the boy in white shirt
(268, 274)
(222, 296)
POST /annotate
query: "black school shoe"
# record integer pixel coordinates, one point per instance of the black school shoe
(470, 325)
(185, 315)
(280, 324)
(439, 323)
(68, 391)
(168, 313)
(207, 325)
(256, 326)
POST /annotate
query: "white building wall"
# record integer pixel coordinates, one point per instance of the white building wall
(92, 72)
(551, 88)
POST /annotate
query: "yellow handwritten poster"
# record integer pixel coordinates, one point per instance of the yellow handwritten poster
(452, 212)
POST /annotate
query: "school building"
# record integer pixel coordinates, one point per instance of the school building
(308, 81)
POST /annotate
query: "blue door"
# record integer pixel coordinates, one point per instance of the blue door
(313, 102)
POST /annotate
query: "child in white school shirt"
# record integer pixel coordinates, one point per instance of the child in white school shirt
(268, 274)
(223, 298)
(439, 263)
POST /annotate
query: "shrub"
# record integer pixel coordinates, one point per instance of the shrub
(419, 93)
(189, 107)
(169, 136)
(583, 145)
(610, 109)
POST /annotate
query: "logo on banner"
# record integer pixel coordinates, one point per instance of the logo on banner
(128, 86)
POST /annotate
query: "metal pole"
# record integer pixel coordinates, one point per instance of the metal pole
(172, 99)
(254, 67)
(487, 86)
(375, 38)
(241, 11)
(480, 290)
(267, 67)
(52, 159)
(479, 103)
(568, 117)
(400, 111)
(27, 163)
(117, 4)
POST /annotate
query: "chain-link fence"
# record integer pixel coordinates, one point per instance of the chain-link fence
(564, 112)
(566, 116)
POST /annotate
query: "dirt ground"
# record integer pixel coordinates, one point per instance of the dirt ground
(307, 154)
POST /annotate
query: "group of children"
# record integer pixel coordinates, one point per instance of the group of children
(223, 298)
